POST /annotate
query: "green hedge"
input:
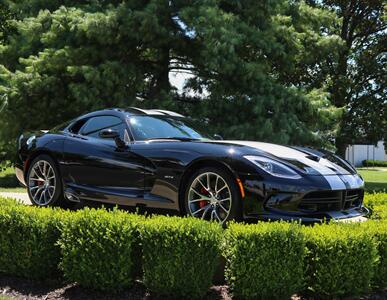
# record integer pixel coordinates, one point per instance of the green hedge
(8, 202)
(377, 202)
(264, 261)
(99, 248)
(28, 240)
(374, 163)
(341, 260)
(375, 199)
(379, 212)
(102, 250)
(180, 255)
(378, 230)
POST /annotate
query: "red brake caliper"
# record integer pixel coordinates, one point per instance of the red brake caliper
(203, 203)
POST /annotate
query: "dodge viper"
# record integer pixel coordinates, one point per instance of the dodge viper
(161, 159)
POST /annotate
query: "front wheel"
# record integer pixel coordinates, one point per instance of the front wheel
(44, 184)
(212, 194)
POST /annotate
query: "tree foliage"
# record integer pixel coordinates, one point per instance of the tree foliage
(358, 78)
(5, 16)
(258, 69)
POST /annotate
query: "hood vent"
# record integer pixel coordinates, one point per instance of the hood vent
(314, 157)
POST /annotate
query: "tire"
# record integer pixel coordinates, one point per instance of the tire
(44, 183)
(209, 201)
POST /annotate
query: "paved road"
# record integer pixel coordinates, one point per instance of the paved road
(23, 197)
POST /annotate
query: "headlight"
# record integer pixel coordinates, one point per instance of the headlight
(273, 167)
(30, 140)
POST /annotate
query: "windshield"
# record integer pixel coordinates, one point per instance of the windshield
(61, 126)
(165, 127)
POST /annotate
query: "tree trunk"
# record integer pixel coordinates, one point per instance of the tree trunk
(340, 98)
(161, 85)
(339, 90)
(341, 147)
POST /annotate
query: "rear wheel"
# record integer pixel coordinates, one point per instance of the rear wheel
(212, 194)
(44, 183)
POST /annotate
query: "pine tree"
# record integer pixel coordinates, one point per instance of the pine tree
(5, 16)
(255, 65)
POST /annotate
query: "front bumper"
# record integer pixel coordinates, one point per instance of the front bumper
(309, 200)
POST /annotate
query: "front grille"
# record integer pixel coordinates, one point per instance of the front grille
(331, 200)
(352, 198)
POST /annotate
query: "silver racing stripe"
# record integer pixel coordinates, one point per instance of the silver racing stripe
(337, 177)
(344, 182)
(335, 182)
(323, 166)
(352, 181)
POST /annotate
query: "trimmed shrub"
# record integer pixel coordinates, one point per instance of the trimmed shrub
(378, 230)
(377, 202)
(340, 260)
(180, 255)
(98, 249)
(374, 199)
(264, 261)
(374, 163)
(379, 212)
(8, 202)
(28, 241)
(101, 250)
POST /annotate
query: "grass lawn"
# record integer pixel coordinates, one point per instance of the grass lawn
(375, 178)
(13, 190)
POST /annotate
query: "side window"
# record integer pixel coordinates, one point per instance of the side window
(77, 126)
(94, 125)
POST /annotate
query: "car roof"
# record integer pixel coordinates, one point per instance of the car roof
(131, 111)
(160, 112)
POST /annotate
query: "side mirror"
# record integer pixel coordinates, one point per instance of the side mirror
(109, 133)
(112, 134)
(218, 137)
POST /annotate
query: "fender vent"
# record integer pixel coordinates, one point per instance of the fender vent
(72, 197)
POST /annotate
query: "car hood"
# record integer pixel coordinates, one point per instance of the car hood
(307, 160)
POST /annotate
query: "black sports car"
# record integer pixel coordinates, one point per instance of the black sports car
(160, 159)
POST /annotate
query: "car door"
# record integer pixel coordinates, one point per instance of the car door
(95, 168)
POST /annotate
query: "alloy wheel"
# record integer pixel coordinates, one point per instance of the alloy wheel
(42, 182)
(209, 197)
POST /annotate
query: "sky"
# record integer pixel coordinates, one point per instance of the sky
(177, 80)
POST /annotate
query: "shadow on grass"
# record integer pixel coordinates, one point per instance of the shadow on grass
(376, 187)
(9, 181)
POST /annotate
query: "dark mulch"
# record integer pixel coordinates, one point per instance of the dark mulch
(32, 290)
(18, 288)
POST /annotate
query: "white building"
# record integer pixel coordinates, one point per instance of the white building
(357, 153)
